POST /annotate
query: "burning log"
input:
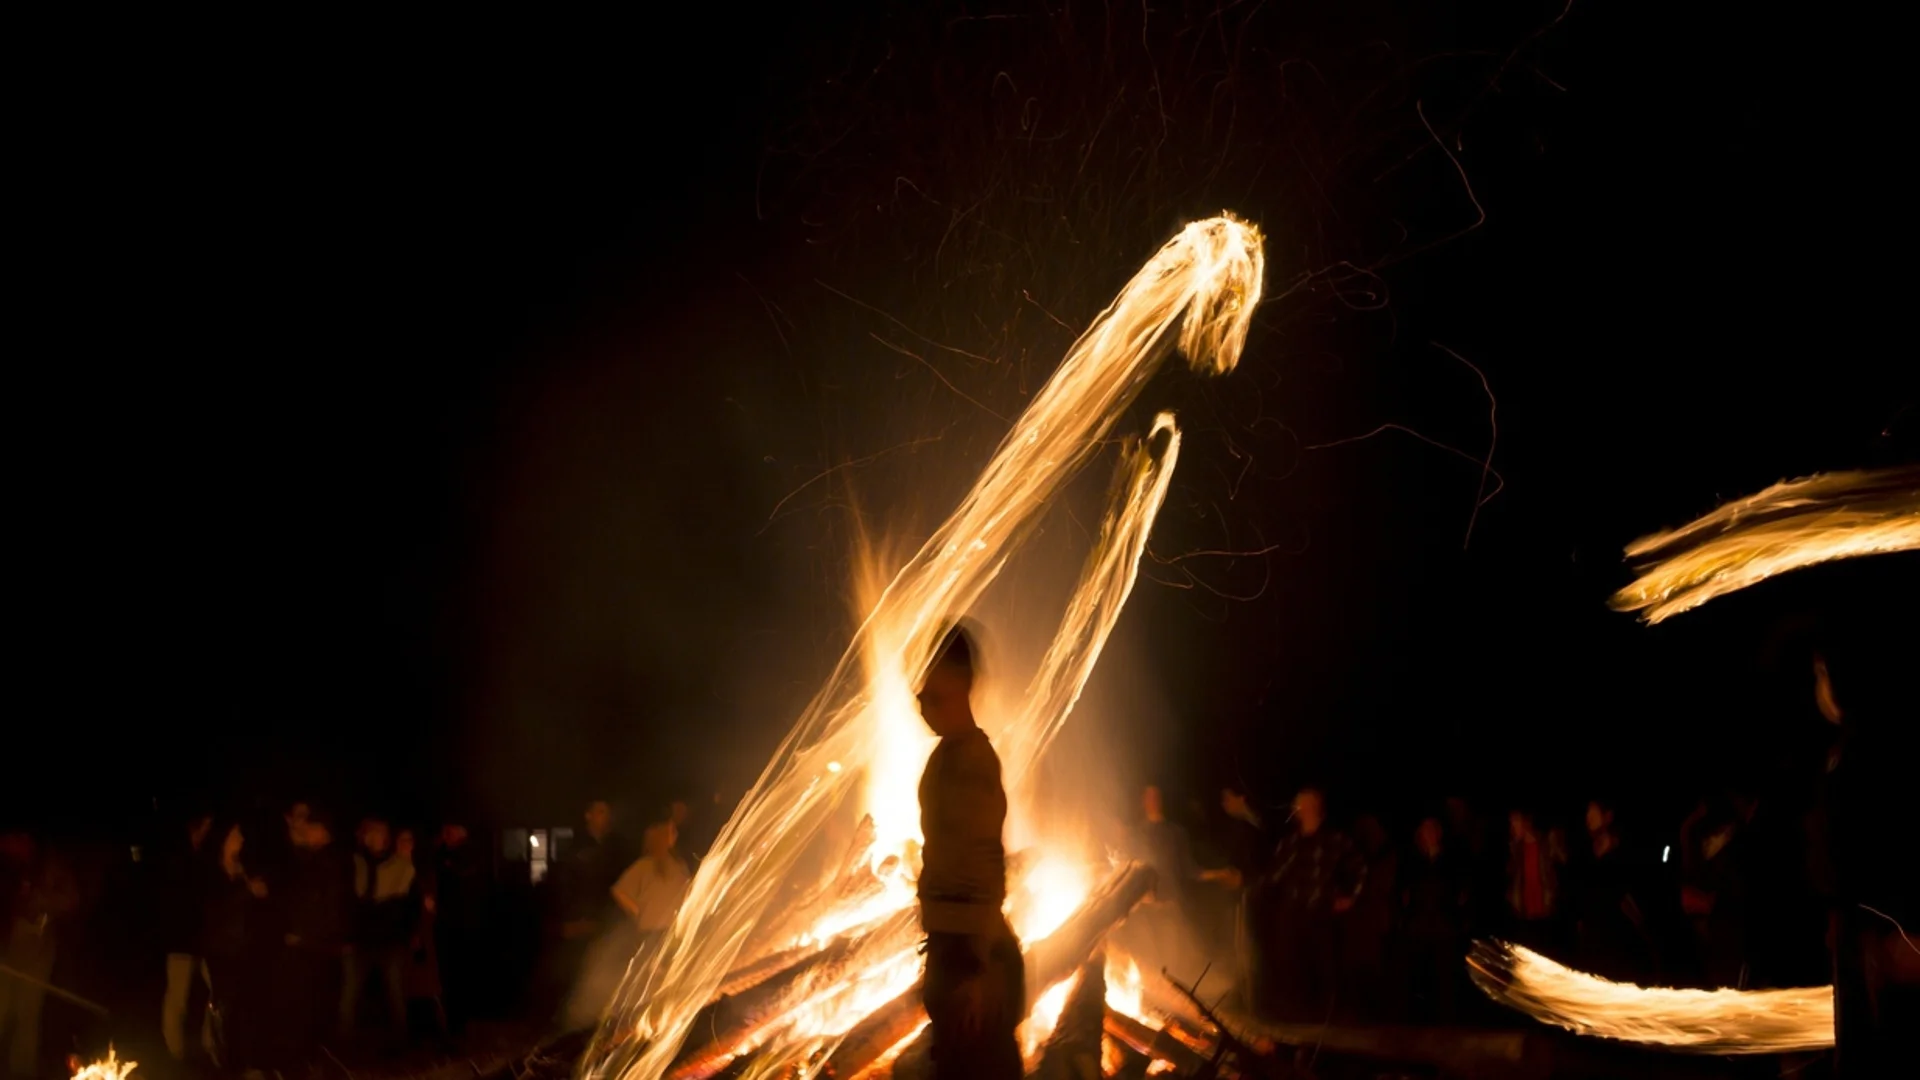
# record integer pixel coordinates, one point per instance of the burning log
(735, 1020)
(1056, 956)
(1073, 1050)
(1048, 961)
(1152, 1044)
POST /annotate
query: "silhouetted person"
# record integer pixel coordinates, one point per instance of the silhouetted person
(584, 888)
(232, 921)
(651, 889)
(649, 893)
(312, 903)
(1713, 891)
(461, 895)
(385, 909)
(1366, 930)
(1316, 876)
(1866, 806)
(975, 985)
(185, 874)
(1535, 857)
(1167, 920)
(1611, 937)
(1434, 892)
(42, 894)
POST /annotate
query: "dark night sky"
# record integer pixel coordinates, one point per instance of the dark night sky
(437, 422)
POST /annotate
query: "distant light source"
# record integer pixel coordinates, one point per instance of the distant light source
(1666, 851)
(534, 840)
(833, 766)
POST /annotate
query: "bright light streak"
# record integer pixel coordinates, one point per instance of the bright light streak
(1790, 525)
(1666, 851)
(1701, 1021)
(1198, 294)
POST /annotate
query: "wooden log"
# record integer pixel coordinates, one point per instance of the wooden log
(1153, 1043)
(734, 1021)
(1048, 961)
(1060, 953)
(1072, 1051)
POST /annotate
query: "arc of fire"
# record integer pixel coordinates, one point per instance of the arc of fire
(1789, 526)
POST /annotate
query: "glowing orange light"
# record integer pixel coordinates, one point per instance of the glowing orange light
(1790, 525)
(112, 1068)
(1704, 1021)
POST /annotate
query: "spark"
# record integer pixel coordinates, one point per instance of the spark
(774, 514)
(1699, 1021)
(1493, 440)
(962, 394)
(1793, 524)
(1196, 295)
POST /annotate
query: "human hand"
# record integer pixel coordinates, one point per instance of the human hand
(257, 887)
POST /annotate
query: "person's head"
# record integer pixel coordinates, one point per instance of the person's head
(678, 813)
(1309, 811)
(452, 835)
(232, 842)
(403, 843)
(1599, 817)
(1234, 803)
(1153, 803)
(376, 836)
(1429, 836)
(599, 817)
(299, 815)
(659, 840)
(315, 834)
(1520, 825)
(946, 694)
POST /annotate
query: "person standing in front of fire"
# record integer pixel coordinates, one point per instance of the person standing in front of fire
(975, 986)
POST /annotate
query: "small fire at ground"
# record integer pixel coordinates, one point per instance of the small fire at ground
(109, 1068)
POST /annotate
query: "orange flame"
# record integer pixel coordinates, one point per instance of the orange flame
(112, 1068)
(1703, 1021)
(1788, 526)
(1199, 290)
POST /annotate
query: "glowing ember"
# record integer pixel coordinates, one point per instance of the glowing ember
(1788, 526)
(110, 1069)
(862, 732)
(1705, 1021)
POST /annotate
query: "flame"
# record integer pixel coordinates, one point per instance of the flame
(1044, 1017)
(1048, 894)
(110, 1069)
(1703, 1021)
(1197, 293)
(1125, 988)
(1788, 526)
